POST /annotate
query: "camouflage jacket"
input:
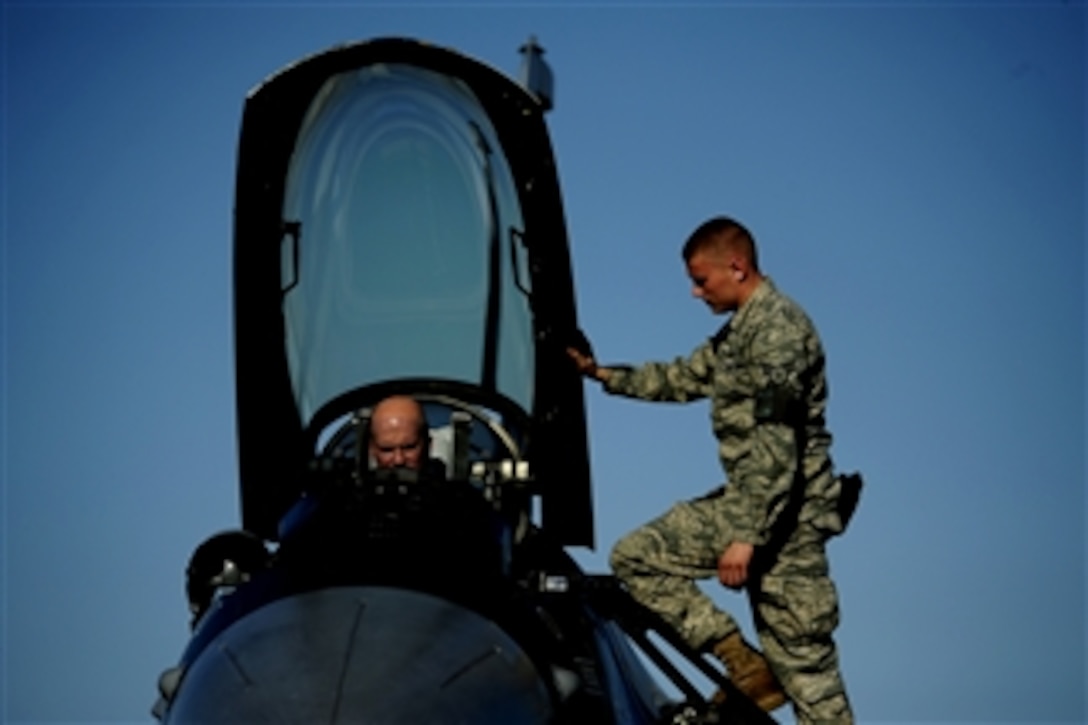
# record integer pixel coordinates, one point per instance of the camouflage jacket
(764, 374)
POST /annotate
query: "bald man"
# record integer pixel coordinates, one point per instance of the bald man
(399, 437)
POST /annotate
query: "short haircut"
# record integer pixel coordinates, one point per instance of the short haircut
(722, 234)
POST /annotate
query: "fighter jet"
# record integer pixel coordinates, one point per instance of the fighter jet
(399, 230)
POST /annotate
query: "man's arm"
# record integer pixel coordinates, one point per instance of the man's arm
(587, 365)
(733, 564)
(682, 380)
(785, 359)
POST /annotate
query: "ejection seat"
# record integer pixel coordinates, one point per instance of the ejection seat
(469, 441)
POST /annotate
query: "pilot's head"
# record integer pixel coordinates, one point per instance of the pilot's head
(398, 433)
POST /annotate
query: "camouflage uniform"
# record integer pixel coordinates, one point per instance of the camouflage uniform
(764, 374)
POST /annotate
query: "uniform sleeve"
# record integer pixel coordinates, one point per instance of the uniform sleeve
(678, 381)
(762, 481)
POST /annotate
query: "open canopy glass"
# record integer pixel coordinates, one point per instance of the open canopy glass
(399, 229)
(402, 255)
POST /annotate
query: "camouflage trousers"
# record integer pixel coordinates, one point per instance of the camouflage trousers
(794, 603)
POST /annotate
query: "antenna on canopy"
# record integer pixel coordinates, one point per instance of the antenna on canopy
(536, 75)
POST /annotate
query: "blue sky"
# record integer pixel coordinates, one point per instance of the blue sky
(914, 175)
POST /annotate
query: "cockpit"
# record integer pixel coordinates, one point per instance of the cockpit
(399, 230)
(467, 441)
(403, 270)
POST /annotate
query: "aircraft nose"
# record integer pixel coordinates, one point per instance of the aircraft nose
(362, 654)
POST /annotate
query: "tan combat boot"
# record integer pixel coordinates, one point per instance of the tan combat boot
(749, 671)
